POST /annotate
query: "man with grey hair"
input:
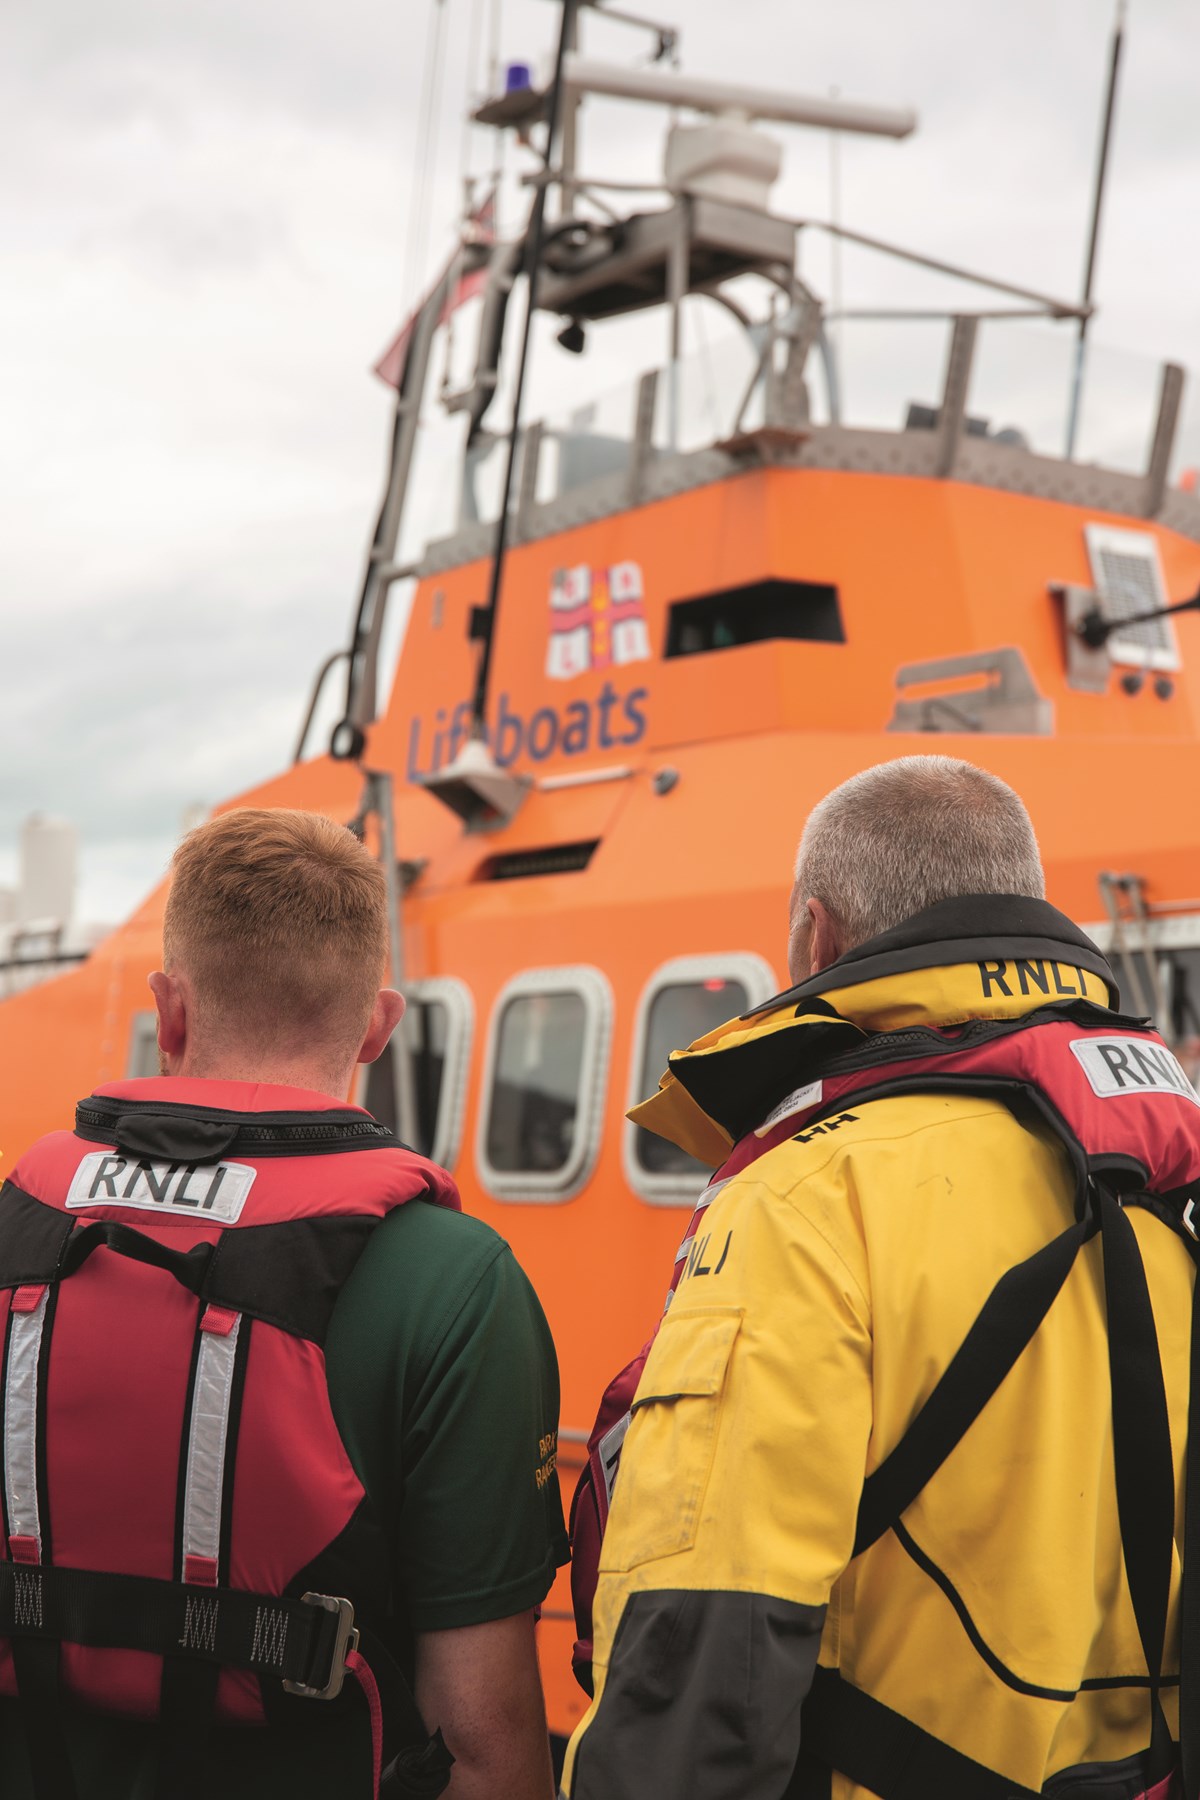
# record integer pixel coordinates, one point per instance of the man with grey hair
(882, 1523)
(895, 840)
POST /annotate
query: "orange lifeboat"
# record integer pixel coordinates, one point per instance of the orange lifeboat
(723, 593)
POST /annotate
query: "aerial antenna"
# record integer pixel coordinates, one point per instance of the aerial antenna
(1095, 629)
(532, 259)
(835, 218)
(428, 117)
(1094, 236)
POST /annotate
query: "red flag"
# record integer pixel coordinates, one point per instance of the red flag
(481, 230)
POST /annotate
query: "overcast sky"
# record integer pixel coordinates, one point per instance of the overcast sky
(207, 237)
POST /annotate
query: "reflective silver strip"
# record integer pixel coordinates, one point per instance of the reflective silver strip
(610, 1453)
(703, 1203)
(206, 1443)
(20, 1423)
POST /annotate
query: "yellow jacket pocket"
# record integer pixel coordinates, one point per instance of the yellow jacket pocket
(660, 1489)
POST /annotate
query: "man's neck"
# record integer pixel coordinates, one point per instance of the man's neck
(318, 1077)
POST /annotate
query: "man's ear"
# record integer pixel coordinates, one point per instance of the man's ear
(172, 1014)
(386, 1014)
(826, 941)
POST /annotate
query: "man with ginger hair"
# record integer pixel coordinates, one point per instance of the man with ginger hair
(899, 1508)
(267, 1388)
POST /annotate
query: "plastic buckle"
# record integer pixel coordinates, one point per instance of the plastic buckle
(1189, 1218)
(345, 1640)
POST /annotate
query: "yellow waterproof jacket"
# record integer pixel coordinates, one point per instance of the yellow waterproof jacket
(844, 1269)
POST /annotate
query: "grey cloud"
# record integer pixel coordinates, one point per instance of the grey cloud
(182, 694)
(183, 246)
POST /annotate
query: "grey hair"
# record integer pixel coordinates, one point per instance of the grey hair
(903, 835)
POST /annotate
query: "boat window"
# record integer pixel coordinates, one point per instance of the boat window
(759, 611)
(544, 1084)
(436, 1032)
(143, 1047)
(684, 1000)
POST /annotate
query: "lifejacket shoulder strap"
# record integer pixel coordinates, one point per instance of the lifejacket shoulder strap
(1189, 1666)
(842, 1726)
(287, 1273)
(1005, 1325)
(885, 1753)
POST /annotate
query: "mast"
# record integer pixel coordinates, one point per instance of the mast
(533, 258)
(1094, 235)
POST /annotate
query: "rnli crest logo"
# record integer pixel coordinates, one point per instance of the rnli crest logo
(597, 620)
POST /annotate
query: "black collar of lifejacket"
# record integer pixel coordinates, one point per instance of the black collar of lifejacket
(970, 928)
(172, 1131)
(738, 1087)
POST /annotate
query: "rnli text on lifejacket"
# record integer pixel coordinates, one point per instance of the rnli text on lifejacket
(216, 1190)
(995, 978)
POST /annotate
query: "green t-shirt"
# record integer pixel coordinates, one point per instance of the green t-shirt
(444, 1385)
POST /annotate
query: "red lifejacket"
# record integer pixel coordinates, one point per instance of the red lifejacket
(1064, 1065)
(174, 1480)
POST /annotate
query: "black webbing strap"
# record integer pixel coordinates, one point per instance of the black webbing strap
(284, 1639)
(187, 1266)
(36, 1667)
(1008, 1320)
(1145, 1465)
(810, 1780)
(186, 1711)
(1190, 1597)
(1189, 1667)
(289, 1273)
(888, 1754)
(884, 1752)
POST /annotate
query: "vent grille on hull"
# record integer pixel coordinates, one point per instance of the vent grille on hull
(557, 859)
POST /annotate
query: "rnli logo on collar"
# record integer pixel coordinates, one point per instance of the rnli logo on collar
(1129, 1065)
(186, 1190)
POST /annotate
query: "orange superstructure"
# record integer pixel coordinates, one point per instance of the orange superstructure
(692, 646)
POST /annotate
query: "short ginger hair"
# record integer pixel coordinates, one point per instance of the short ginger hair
(279, 920)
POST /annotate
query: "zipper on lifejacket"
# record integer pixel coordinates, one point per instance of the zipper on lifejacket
(249, 1130)
(925, 1038)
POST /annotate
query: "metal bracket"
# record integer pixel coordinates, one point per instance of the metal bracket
(793, 391)
(642, 448)
(953, 409)
(474, 786)
(1170, 398)
(1088, 670)
(1124, 898)
(531, 453)
(1008, 703)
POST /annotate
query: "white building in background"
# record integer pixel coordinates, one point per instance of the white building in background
(47, 872)
(39, 935)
